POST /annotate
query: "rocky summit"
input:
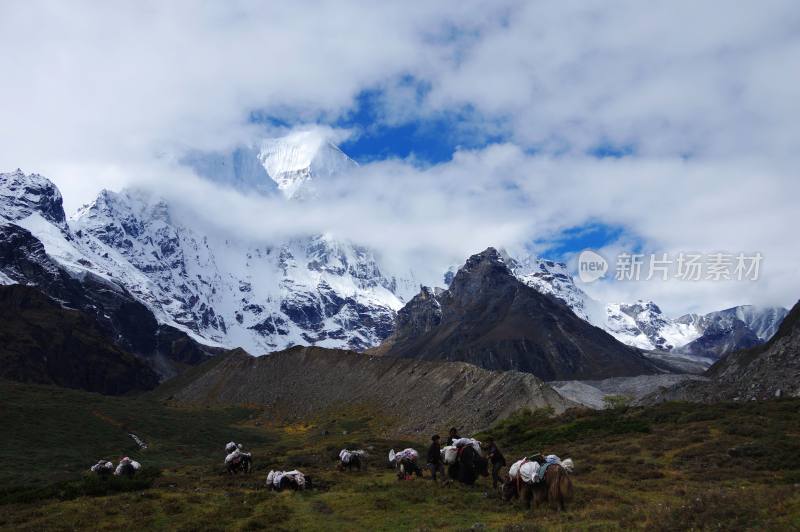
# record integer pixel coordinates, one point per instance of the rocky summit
(489, 318)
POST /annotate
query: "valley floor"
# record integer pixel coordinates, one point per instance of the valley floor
(670, 467)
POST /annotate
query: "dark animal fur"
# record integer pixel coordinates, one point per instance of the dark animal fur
(407, 468)
(468, 466)
(355, 462)
(127, 470)
(288, 483)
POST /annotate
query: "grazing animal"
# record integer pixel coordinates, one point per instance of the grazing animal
(354, 462)
(290, 483)
(103, 468)
(237, 461)
(283, 480)
(405, 463)
(243, 463)
(127, 468)
(555, 488)
(351, 459)
(406, 468)
(468, 466)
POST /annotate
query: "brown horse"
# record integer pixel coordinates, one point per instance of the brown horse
(555, 488)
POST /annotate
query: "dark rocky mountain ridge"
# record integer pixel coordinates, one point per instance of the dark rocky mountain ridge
(123, 320)
(42, 342)
(489, 318)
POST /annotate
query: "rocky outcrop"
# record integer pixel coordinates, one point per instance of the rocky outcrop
(489, 318)
(123, 320)
(412, 395)
(45, 343)
(22, 195)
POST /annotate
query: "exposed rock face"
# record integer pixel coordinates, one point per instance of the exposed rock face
(122, 319)
(22, 195)
(42, 342)
(489, 318)
(764, 372)
(413, 395)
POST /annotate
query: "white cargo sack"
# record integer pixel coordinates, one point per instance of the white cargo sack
(133, 463)
(233, 457)
(346, 455)
(525, 470)
(463, 442)
(274, 477)
(449, 454)
(406, 454)
(102, 466)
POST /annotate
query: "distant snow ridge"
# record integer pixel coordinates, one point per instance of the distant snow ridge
(553, 278)
(292, 165)
(294, 162)
(642, 324)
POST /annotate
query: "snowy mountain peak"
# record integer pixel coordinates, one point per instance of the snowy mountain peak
(24, 194)
(288, 165)
(553, 278)
(295, 160)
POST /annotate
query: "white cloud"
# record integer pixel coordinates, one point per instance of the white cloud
(95, 95)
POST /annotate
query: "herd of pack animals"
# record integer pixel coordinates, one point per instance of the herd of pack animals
(531, 480)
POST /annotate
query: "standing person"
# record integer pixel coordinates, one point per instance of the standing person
(496, 458)
(453, 436)
(435, 457)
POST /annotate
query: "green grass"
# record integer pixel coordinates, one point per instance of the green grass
(671, 467)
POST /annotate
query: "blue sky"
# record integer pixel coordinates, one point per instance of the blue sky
(426, 140)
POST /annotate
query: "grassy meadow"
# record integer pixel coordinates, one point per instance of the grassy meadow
(671, 467)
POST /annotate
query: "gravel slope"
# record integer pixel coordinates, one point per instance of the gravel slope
(415, 396)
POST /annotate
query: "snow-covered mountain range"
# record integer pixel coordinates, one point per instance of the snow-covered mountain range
(226, 290)
(644, 325)
(221, 289)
